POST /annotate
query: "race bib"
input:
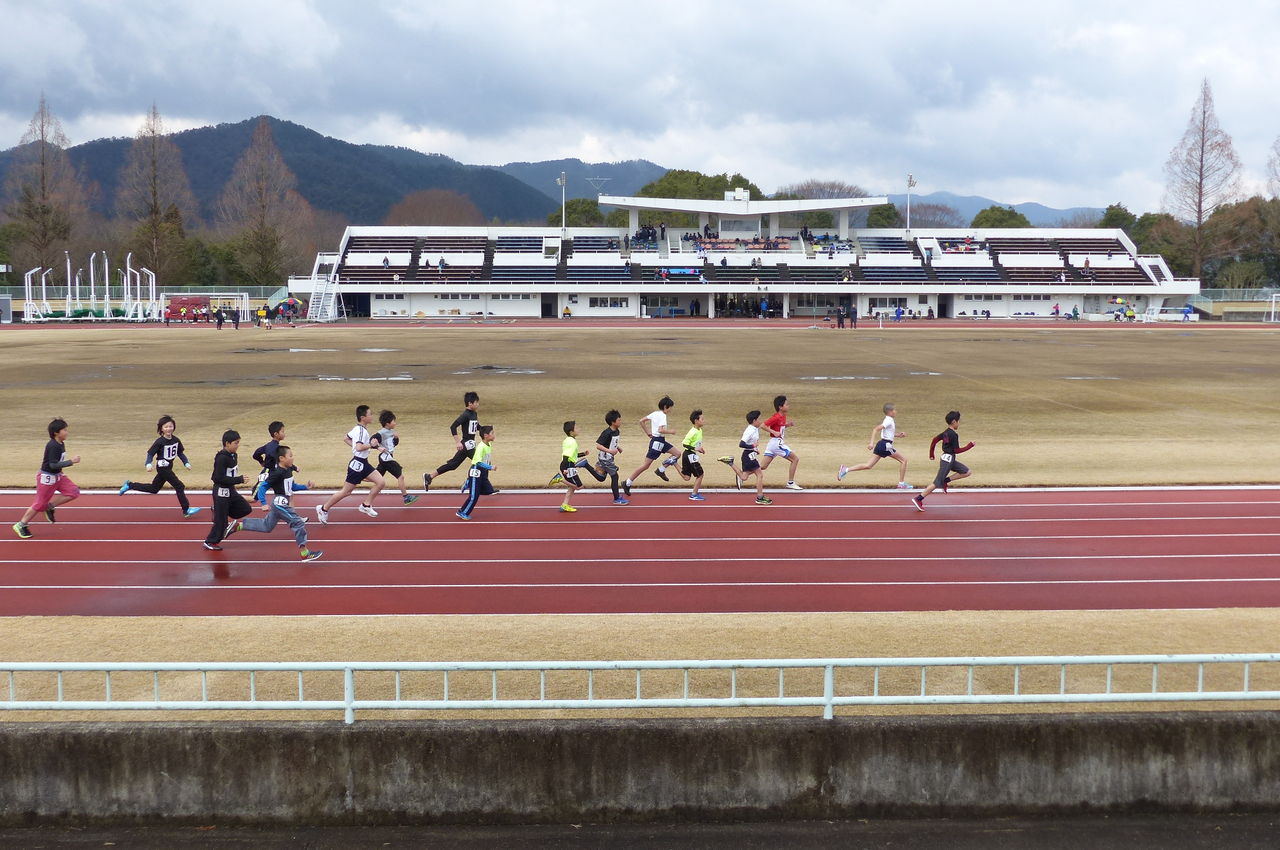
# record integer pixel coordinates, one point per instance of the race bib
(753, 455)
(222, 492)
(469, 445)
(656, 445)
(162, 463)
(262, 476)
(46, 478)
(385, 457)
(474, 472)
(690, 458)
(888, 445)
(946, 458)
(356, 465)
(281, 501)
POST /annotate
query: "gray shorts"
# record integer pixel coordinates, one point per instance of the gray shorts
(606, 462)
(947, 467)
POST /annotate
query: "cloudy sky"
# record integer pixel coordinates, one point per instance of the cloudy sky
(1065, 103)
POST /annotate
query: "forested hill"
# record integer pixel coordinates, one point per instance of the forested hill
(361, 182)
(622, 178)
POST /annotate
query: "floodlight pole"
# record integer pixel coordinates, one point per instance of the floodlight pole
(911, 182)
(562, 180)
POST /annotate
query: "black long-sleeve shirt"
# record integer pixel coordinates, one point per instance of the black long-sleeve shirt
(226, 469)
(164, 450)
(468, 422)
(55, 458)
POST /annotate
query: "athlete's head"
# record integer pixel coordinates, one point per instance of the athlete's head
(953, 417)
(486, 433)
(230, 440)
(276, 429)
(889, 409)
(570, 427)
(665, 403)
(695, 416)
(470, 398)
(753, 416)
(779, 401)
(166, 420)
(55, 426)
(284, 456)
(386, 418)
(611, 418)
(362, 411)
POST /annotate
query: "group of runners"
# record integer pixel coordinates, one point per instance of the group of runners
(473, 442)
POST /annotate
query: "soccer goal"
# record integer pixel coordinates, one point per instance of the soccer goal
(1273, 315)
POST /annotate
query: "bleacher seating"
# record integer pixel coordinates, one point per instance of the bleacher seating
(883, 245)
(606, 273)
(1121, 275)
(518, 245)
(745, 274)
(596, 244)
(1037, 274)
(455, 244)
(1021, 245)
(1091, 246)
(507, 273)
(818, 273)
(877, 274)
(966, 274)
(380, 244)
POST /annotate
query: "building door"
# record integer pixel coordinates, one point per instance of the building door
(944, 306)
(548, 305)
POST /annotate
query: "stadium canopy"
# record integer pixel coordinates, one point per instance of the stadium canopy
(737, 213)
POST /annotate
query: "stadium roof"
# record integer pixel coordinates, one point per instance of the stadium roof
(739, 205)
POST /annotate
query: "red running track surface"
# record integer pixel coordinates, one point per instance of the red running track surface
(811, 551)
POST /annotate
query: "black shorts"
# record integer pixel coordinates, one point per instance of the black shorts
(657, 448)
(569, 471)
(750, 460)
(390, 468)
(358, 470)
(689, 463)
(947, 467)
(884, 448)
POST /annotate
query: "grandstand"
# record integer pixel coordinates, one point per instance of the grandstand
(739, 252)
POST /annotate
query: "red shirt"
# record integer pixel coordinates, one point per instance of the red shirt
(777, 422)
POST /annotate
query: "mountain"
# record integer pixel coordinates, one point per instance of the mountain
(970, 205)
(361, 182)
(624, 178)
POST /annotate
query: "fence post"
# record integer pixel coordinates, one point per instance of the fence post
(349, 693)
(828, 690)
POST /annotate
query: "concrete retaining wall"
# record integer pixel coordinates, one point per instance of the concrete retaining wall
(570, 771)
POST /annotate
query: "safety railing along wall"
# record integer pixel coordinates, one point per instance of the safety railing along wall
(706, 686)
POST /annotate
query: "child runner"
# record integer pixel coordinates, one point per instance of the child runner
(881, 444)
(464, 430)
(51, 479)
(163, 452)
(655, 428)
(571, 459)
(608, 450)
(388, 467)
(478, 477)
(265, 455)
(950, 469)
(750, 458)
(690, 465)
(228, 504)
(281, 482)
(358, 468)
(777, 425)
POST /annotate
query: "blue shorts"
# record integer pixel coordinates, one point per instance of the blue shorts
(657, 448)
(884, 448)
(358, 470)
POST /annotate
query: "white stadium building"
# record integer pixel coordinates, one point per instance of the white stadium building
(741, 253)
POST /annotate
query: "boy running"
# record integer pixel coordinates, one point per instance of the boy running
(163, 452)
(690, 464)
(51, 479)
(281, 482)
(358, 468)
(607, 449)
(750, 458)
(265, 455)
(388, 467)
(570, 460)
(950, 469)
(655, 429)
(881, 445)
(464, 430)
(228, 505)
(478, 478)
(777, 425)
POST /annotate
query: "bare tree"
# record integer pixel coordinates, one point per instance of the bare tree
(1203, 173)
(154, 198)
(1080, 219)
(263, 212)
(436, 206)
(816, 189)
(45, 197)
(935, 215)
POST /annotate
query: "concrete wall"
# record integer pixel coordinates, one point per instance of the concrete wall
(572, 771)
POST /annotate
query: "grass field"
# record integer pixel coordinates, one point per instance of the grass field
(1060, 405)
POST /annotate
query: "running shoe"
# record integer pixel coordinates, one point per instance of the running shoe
(902, 485)
(232, 527)
(621, 501)
(763, 500)
(124, 488)
(461, 515)
(367, 510)
(495, 492)
(918, 501)
(50, 515)
(791, 485)
(322, 515)
(22, 531)
(410, 499)
(308, 555)
(697, 497)
(556, 480)
(626, 486)
(426, 481)
(844, 470)
(658, 472)
(670, 461)
(727, 460)
(189, 512)
(568, 509)
(212, 547)
(945, 482)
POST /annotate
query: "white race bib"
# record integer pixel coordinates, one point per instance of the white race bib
(281, 501)
(356, 465)
(47, 478)
(475, 472)
(222, 492)
(656, 444)
(946, 458)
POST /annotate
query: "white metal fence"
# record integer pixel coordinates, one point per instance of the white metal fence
(630, 685)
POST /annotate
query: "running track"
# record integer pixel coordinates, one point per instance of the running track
(813, 551)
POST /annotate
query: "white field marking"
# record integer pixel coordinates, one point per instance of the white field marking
(1161, 488)
(658, 584)
(595, 562)
(575, 540)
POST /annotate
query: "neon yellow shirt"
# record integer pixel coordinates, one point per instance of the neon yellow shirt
(482, 452)
(569, 449)
(694, 438)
